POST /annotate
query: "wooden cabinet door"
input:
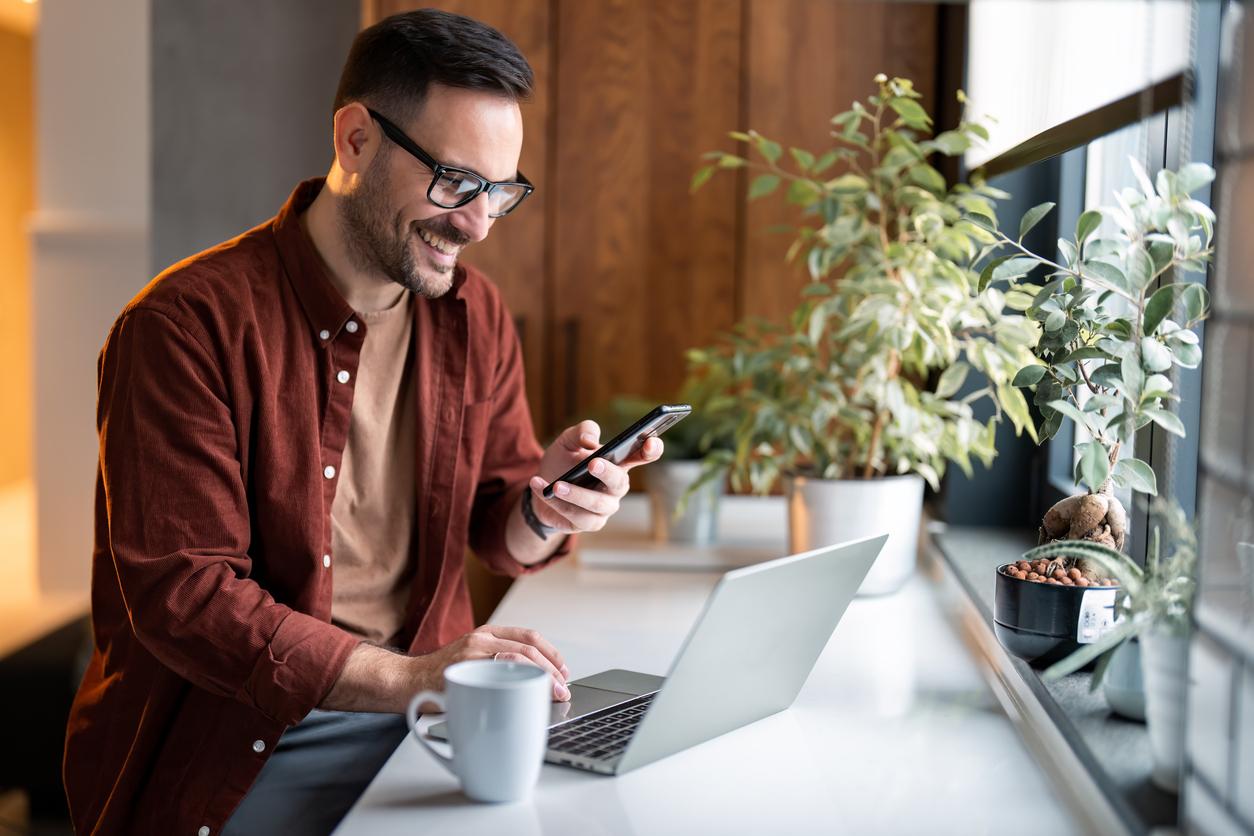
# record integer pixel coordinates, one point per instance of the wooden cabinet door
(642, 270)
(805, 62)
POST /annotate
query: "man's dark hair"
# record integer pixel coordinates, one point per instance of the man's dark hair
(393, 63)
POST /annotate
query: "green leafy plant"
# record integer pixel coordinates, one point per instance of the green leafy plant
(1158, 596)
(864, 380)
(1115, 318)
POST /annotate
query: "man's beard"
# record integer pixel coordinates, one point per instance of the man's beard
(379, 244)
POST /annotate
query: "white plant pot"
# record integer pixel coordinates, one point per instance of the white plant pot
(666, 482)
(1165, 659)
(826, 511)
(1124, 683)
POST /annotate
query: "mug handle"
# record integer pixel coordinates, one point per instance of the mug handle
(411, 717)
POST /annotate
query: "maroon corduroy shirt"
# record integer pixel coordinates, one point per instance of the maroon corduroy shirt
(222, 422)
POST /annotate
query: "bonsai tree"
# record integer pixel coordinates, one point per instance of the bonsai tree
(865, 378)
(1158, 596)
(1115, 318)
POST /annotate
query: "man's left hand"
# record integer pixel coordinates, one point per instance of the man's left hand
(573, 508)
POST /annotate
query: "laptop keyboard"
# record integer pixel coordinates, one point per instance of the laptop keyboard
(603, 735)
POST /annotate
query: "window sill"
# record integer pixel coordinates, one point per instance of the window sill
(1100, 762)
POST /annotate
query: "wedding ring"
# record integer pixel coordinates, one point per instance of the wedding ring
(496, 657)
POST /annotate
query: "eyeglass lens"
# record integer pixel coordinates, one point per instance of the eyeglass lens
(453, 188)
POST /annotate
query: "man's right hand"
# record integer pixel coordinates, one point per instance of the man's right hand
(506, 644)
(375, 679)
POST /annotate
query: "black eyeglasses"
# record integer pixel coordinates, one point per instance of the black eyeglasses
(453, 187)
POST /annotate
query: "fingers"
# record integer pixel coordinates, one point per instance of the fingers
(650, 451)
(533, 638)
(512, 651)
(561, 693)
(582, 438)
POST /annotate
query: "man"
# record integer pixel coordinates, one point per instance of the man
(300, 432)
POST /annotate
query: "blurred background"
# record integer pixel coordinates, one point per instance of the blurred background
(138, 132)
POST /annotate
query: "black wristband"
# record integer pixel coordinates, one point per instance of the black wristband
(533, 522)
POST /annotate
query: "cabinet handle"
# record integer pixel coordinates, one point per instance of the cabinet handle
(571, 329)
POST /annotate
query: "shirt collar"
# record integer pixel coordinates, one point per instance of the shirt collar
(325, 308)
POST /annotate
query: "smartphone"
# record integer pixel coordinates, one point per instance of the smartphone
(622, 446)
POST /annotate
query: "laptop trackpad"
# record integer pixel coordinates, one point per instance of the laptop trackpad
(629, 682)
(592, 693)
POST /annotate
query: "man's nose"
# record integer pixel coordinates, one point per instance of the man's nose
(472, 219)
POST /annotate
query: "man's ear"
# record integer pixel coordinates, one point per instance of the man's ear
(356, 138)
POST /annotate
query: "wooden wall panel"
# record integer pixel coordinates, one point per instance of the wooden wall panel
(806, 61)
(514, 253)
(642, 271)
(612, 266)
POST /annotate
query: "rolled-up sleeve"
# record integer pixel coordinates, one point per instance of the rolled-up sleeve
(511, 457)
(179, 528)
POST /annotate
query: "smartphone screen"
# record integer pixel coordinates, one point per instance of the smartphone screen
(622, 446)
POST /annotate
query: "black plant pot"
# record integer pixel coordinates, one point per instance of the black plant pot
(1042, 623)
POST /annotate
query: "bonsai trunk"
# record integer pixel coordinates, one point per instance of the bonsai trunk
(1099, 517)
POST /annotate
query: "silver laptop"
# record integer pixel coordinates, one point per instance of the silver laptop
(745, 658)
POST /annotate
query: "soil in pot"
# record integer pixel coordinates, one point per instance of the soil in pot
(1042, 616)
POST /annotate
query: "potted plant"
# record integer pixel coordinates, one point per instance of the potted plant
(1113, 324)
(856, 401)
(1154, 605)
(1116, 318)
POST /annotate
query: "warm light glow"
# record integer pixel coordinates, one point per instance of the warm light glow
(30, 2)
(18, 580)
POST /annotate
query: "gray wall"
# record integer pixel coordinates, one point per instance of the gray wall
(241, 111)
(1219, 787)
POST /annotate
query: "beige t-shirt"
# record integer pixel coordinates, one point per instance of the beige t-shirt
(372, 515)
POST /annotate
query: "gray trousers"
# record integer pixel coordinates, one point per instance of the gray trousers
(318, 769)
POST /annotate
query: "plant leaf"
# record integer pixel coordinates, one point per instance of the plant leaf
(1159, 307)
(1165, 419)
(911, 112)
(763, 185)
(1109, 273)
(700, 177)
(804, 158)
(1119, 633)
(1016, 407)
(1155, 355)
(1087, 225)
(1196, 301)
(1139, 475)
(1033, 216)
(1028, 375)
(1067, 408)
(1094, 464)
(1014, 267)
(1193, 176)
(951, 380)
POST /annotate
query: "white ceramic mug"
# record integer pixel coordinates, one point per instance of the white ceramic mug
(498, 716)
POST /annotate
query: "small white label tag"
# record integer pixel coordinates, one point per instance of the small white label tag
(1097, 615)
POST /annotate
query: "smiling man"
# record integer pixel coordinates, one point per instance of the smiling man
(301, 430)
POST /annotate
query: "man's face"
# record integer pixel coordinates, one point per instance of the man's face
(389, 224)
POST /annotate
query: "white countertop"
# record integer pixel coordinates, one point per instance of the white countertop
(894, 732)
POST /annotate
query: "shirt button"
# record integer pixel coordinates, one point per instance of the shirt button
(324, 334)
(342, 377)
(259, 746)
(329, 471)
(326, 560)
(204, 831)
(351, 326)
